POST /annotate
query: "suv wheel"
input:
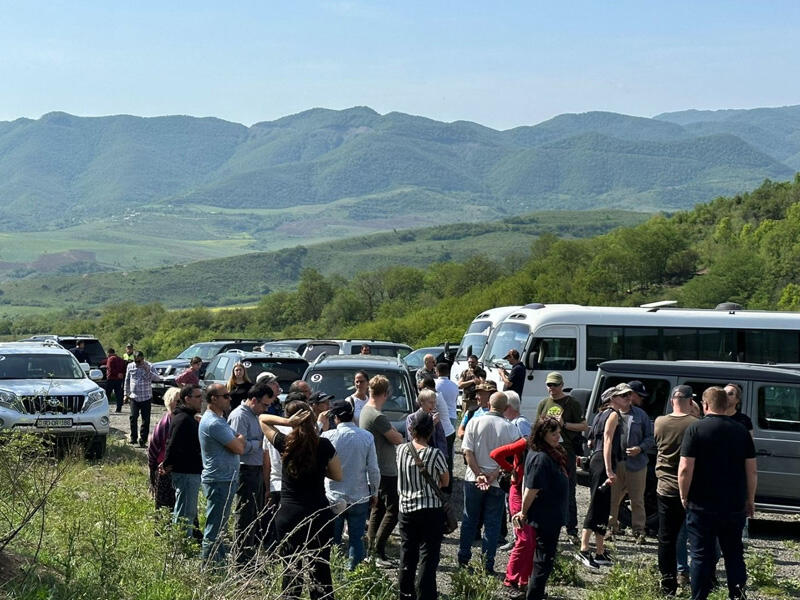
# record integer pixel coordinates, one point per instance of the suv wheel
(96, 448)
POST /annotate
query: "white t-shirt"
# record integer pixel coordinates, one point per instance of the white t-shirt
(444, 414)
(275, 460)
(483, 435)
(449, 389)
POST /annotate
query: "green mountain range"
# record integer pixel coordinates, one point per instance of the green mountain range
(322, 171)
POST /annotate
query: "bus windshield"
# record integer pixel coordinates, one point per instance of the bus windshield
(504, 338)
(476, 340)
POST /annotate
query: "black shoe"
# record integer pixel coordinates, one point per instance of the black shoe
(604, 560)
(142, 444)
(585, 558)
(133, 441)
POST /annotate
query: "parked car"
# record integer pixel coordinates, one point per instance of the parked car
(334, 375)
(92, 346)
(286, 366)
(287, 345)
(377, 347)
(44, 389)
(416, 360)
(770, 397)
(169, 369)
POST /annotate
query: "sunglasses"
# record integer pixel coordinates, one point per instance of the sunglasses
(554, 384)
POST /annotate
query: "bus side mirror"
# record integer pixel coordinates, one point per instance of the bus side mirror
(530, 362)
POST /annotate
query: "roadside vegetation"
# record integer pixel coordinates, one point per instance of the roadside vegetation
(742, 249)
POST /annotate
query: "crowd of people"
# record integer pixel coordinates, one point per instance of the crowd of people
(298, 476)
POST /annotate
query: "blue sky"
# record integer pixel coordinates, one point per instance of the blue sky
(501, 64)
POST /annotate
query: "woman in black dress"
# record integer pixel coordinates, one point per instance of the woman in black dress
(544, 499)
(304, 521)
(238, 385)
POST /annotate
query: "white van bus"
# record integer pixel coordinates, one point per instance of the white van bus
(476, 336)
(575, 339)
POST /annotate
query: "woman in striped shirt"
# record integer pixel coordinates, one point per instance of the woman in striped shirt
(421, 515)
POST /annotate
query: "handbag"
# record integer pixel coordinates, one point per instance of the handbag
(450, 510)
(504, 481)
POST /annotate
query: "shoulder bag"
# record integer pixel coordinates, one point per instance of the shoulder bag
(450, 511)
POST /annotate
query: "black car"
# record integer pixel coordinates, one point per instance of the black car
(169, 369)
(416, 359)
(288, 367)
(334, 375)
(94, 349)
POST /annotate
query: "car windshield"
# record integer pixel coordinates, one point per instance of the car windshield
(339, 382)
(204, 351)
(287, 370)
(476, 340)
(416, 358)
(39, 366)
(504, 338)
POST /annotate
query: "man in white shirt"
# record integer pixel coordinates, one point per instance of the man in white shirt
(482, 494)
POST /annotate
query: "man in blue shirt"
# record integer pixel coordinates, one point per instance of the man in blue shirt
(358, 490)
(220, 447)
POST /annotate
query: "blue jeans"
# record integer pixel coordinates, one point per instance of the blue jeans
(705, 528)
(187, 487)
(477, 502)
(356, 517)
(219, 499)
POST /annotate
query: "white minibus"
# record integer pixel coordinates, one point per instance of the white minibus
(573, 340)
(474, 339)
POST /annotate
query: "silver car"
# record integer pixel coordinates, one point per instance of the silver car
(43, 389)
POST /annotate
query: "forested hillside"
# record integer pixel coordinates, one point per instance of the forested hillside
(743, 249)
(380, 170)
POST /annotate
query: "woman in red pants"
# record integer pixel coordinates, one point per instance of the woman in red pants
(511, 457)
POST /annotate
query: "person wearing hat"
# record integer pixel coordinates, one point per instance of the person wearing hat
(669, 431)
(271, 380)
(127, 356)
(639, 392)
(632, 472)
(361, 477)
(320, 403)
(605, 442)
(568, 410)
(483, 392)
(513, 380)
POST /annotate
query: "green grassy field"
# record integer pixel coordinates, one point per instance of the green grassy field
(179, 267)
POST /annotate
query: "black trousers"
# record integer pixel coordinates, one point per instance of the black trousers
(384, 515)
(543, 560)
(115, 385)
(420, 550)
(671, 516)
(596, 519)
(249, 505)
(572, 514)
(305, 543)
(140, 408)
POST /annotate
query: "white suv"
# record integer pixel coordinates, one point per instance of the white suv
(44, 389)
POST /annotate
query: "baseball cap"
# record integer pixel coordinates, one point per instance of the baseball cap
(342, 409)
(606, 396)
(683, 390)
(486, 386)
(621, 389)
(555, 377)
(638, 387)
(318, 397)
(266, 377)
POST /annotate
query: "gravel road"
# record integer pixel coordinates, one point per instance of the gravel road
(775, 534)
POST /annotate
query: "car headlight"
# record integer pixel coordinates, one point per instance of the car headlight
(95, 397)
(11, 401)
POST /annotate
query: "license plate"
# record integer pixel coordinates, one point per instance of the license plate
(53, 423)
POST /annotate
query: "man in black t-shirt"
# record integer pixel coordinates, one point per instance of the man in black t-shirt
(513, 380)
(717, 485)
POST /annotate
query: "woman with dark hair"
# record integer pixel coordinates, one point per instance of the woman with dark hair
(511, 457)
(544, 500)
(304, 521)
(361, 394)
(238, 385)
(421, 515)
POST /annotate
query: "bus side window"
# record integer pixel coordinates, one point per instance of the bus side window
(557, 354)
